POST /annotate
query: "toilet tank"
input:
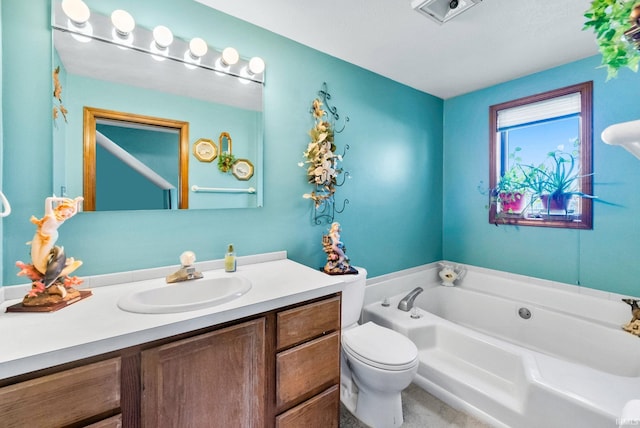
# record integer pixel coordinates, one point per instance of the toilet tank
(353, 297)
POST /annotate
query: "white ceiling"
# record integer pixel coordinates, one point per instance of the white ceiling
(493, 42)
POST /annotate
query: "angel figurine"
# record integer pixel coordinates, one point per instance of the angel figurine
(50, 267)
(337, 260)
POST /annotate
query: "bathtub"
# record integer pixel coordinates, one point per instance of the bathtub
(519, 352)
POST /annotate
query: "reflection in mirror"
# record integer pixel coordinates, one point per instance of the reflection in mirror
(225, 143)
(134, 162)
(100, 73)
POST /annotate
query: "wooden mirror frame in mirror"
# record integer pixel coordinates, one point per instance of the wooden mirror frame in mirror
(90, 117)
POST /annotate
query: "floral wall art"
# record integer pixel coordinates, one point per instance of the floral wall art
(323, 164)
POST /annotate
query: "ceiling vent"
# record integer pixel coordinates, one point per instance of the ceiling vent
(442, 11)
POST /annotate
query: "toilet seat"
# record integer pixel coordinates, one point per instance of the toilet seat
(380, 347)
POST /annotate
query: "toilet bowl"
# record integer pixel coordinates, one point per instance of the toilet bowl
(377, 363)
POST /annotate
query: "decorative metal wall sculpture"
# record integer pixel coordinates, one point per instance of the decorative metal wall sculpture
(323, 164)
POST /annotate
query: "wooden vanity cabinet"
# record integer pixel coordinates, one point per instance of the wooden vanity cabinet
(308, 365)
(276, 369)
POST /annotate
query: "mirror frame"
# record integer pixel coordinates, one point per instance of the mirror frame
(224, 135)
(91, 115)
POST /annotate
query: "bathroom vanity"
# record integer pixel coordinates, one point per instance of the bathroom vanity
(270, 358)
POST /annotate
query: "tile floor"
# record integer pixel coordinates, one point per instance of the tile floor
(421, 410)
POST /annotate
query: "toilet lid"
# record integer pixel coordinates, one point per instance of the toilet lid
(380, 347)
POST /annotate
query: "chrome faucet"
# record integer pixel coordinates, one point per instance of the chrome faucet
(407, 301)
(187, 271)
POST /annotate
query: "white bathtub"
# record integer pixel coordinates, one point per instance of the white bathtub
(568, 365)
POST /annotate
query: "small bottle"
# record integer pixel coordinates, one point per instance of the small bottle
(230, 260)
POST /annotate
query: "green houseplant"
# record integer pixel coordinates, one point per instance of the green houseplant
(509, 193)
(555, 181)
(615, 23)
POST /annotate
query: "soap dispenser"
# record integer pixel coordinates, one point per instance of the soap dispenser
(230, 260)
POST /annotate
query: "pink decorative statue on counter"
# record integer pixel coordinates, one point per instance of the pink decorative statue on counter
(49, 268)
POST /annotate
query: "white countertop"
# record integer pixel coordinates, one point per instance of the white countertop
(93, 326)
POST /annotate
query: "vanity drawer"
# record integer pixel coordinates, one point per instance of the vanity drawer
(112, 422)
(323, 410)
(64, 398)
(307, 322)
(306, 370)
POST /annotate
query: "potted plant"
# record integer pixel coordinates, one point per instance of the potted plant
(615, 23)
(509, 193)
(554, 183)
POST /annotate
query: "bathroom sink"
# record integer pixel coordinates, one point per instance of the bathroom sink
(186, 296)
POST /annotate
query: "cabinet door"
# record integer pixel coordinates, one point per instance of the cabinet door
(213, 380)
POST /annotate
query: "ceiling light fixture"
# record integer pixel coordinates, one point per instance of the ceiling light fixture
(442, 11)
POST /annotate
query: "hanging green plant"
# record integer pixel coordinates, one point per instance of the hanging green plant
(226, 161)
(615, 23)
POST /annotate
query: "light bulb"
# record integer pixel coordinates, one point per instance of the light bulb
(77, 11)
(256, 65)
(162, 36)
(123, 22)
(197, 47)
(230, 56)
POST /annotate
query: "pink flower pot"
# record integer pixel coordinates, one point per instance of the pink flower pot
(511, 203)
(556, 203)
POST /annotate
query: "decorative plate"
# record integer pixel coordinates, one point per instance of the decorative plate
(205, 150)
(242, 169)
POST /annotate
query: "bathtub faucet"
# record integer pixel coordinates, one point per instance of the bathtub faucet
(407, 302)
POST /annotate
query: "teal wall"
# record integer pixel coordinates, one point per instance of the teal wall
(393, 221)
(414, 194)
(604, 258)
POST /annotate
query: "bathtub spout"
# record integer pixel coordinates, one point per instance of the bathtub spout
(407, 302)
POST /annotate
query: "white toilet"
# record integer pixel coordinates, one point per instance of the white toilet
(377, 363)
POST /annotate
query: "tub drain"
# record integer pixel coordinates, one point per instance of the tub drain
(524, 313)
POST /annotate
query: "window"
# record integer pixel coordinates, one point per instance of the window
(540, 162)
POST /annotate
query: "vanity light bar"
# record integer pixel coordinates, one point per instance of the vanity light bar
(74, 16)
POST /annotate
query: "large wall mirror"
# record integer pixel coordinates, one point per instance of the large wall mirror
(164, 106)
